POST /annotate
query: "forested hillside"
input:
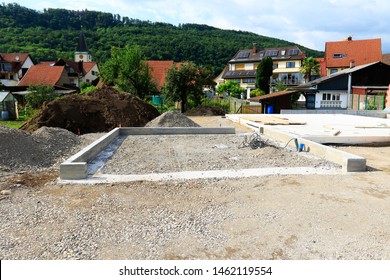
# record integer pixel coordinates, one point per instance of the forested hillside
(54, 33)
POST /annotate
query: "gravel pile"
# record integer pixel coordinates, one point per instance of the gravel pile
(21, 150)
(172, 119)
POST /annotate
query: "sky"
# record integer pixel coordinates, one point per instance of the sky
(310, 23)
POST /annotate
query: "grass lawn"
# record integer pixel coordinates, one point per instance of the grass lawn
(12, 124)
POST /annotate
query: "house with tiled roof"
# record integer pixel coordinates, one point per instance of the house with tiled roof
(13, 66)
(159, 70)
(43, 74)
(360, 87)
(342, 54)
(287, 62)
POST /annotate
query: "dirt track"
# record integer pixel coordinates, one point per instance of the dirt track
(274, 217)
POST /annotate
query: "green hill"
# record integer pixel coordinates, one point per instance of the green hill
(54, 33)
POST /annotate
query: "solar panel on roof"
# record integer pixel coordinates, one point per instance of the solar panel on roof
(271, 52)
(243, 55)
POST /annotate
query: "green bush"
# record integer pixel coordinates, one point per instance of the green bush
(223, 103)
(257, 92)
(40, 94)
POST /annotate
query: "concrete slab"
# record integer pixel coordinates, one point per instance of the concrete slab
(322, 128)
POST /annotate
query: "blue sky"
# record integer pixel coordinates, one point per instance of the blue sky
(310, 23)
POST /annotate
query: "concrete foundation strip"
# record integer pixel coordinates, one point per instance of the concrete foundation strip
(193, 175)
(76, 167)
(348, 161)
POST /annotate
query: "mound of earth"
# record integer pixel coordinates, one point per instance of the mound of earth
(98, 111)
(172, 119)
(21, 150)
(206, 110)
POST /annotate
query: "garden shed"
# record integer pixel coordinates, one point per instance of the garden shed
(8, 106)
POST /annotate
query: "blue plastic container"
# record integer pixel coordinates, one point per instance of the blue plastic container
(4, 115)
(270, 109)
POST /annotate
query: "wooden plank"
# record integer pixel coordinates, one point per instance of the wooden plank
(372, 126)
(335, 131)
(271, 120)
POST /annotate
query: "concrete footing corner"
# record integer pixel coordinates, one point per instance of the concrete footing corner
(349, 162)
(76, 167)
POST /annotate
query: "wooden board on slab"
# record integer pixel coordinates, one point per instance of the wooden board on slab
(271, 120)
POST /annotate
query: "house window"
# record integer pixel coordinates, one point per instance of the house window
(248, 80)
(339, 55)
(275, 66)
(290, 64)
(332, 71)
(261, 55)
(283, 52)
(331, 96)
(293, 52)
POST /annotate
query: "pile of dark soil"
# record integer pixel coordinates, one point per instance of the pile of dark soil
(98, 111)
(206, 110)
(172, 119)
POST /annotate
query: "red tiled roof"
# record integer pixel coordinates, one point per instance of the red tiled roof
(88, 66)
(12, 57)
(42, 74)
(361, 51)
(159, 69)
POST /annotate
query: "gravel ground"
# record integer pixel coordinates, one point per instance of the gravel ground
(272, 217)
(174, 153)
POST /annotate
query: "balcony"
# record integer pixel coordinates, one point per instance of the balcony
(330, 104)
(289, 81)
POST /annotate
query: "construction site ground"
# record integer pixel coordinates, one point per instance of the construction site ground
(305, 216)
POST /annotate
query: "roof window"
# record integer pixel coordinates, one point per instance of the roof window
(243, 55)
(272, 53)
(339, 55)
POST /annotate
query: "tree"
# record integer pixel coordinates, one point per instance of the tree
(232, 88)
(186, 82)
(128, 70)
(310, 66)
(263, 74)
(280, 86)
(39, 94)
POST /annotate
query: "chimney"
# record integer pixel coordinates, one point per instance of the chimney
(349, 38)
(254, 48)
